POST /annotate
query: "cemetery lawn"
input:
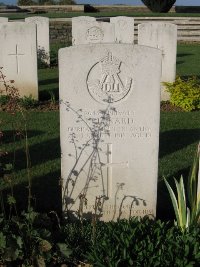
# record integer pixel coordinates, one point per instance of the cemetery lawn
(188, 60)
(179, 135)
(188, 64)
(99, 14)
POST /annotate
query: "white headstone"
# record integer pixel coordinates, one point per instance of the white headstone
(42, 24)
(163, 36)
(124, 29)
(109, 126)
(76, 23)
(18, 56)
(88, 31)
(3, 19)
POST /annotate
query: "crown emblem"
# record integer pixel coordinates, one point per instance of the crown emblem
(109, 80)
(110, 65)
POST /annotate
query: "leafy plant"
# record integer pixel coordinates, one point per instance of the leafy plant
(28, 102)
(187, 216)
(43, 58)
(181, 210)
(185, 94)
(193, 194)
(162, 6)
(145, 243)
(3, 100)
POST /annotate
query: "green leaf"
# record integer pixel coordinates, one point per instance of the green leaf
(8, 167)
(40, 262)
(64, 250)
(181, 202)
(11, 200)
(174, 201)
(2, 241)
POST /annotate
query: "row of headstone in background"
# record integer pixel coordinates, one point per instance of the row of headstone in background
(120, 30)
(109, 124)
(164, 37)
(42, 24)
(18, 56)
(42, 36)
(19, 52)
(86, 30)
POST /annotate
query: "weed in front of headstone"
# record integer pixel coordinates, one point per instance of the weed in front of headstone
(89, 169)
(19, 129)
(25, 237)
(91, 165)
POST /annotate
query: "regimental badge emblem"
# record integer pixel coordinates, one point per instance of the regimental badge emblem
(94, 34)
(109, 80)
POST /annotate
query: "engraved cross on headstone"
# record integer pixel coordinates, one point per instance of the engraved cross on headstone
(109, 165)
(17, 54)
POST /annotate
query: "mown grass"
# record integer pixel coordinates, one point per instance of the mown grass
(188, 60)
(100, 14)
(179, 135)
(188, 64)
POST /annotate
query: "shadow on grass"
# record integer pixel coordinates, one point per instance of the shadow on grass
(174, 140)
(165, 209)
(39, 153)
(10, 135)
(48, 81)
(180, 62)
(184, 54)
(46, 194)
(47, 94)
(186, 77)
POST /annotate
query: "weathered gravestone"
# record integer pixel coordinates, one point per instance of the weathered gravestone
(42, 26)
(18, 56)
(124, 29)
(163, 36)
(109, 126)
(89, 31)
(3, 19)
(86, 30)
(76, 23)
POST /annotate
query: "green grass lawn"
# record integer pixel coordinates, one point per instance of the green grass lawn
(100, 14)
(188, 64)
(188, 60)
(179, 135)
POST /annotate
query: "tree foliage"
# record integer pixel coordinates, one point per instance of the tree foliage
(162, 6)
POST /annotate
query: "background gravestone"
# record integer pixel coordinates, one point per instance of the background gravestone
(3, 19)
(124, 29)
(163, 36)
(90, 31)
(109, 127)
(18, 56)
(76, 23)
(42, 24)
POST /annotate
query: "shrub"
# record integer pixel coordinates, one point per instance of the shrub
(144, 243)
(185, 94)
(162, 6)
(28, 102)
